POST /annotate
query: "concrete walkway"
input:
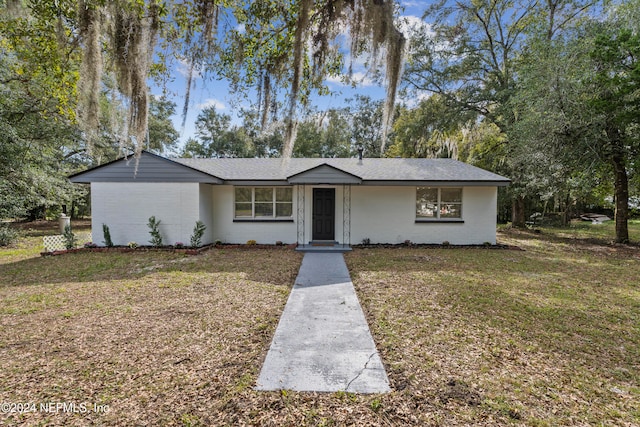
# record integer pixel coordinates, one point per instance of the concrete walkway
(323, 342)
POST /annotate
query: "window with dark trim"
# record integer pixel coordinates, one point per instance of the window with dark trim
(263, 202)
(439, 203)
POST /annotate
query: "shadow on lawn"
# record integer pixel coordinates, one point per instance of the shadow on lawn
(549, 345)
(579, 304)
(42, 228)
(577, 236)
(592, 327)
(277, 266)
(593, 252)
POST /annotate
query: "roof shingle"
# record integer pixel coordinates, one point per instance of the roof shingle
(369, 169)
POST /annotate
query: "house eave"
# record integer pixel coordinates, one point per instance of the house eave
(436, 183)
(311, 177)
(198, 176)
(134, 180)
(258, 182)
(380, 183)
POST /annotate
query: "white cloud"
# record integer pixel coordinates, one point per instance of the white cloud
(411, 24)
(362, 79)
(183, 69)
(211, 102)
(412, 3)
(359, 78)
(335, 80)
(413, 99)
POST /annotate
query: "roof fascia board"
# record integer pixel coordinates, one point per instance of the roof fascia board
(437, 183)
(76, 177)
(298, 178)
(104, 165)
(388, 183)
(258, 182)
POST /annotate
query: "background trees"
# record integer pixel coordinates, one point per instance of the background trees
(615, 101)
(163, 137)
(36, 114)
(333, 133)
(270, 46)
(557, 80)
(470, 62)
(545, 93)
(326, 134)
(87, 64)
(577, 104)
(41, 142)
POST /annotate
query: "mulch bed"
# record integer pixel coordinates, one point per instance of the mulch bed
(186, 251)
(434, 246)
(173, 249)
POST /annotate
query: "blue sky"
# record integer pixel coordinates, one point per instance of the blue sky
(210, 92)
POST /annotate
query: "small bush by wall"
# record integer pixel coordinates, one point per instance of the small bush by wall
(154, 230)
(8, 235)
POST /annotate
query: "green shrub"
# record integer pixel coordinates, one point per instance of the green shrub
(376, 404)
(154, 230)
(8, 235)
(198, 232)
(69, 238)
(107, 235)
(251, 242)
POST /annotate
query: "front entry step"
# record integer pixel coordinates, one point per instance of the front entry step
(323, 243)
(323, 246)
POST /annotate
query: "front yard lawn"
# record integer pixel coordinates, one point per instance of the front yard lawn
(545, 336)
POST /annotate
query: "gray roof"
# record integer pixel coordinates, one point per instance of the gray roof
(239, 171)
(147, 168)
(385, 169)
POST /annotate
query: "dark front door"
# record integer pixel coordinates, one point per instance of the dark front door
(324, 213)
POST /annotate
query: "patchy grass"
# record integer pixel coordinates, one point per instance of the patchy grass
(31, 243)
(541, 337)
(583, 230)
(546, 336)
(157, 338)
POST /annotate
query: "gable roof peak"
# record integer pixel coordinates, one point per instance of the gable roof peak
(324, 173)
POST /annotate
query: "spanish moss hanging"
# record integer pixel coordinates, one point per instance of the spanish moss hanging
(289, 46)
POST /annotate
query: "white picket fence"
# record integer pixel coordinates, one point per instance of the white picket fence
(57, 243)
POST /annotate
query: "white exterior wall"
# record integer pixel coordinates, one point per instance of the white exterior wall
(388, 214)
(126, 207)
(228, 231)
(381, 214)
(206, 213)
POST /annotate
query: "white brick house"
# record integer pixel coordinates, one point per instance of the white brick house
(295, 200)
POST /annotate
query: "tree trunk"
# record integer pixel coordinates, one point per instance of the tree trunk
(566, 217)
(621, 194)
(517, 212)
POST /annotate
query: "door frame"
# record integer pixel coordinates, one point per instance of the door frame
(331, 190)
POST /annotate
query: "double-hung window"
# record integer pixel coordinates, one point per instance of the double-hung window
(263, 202)
(439, 203)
